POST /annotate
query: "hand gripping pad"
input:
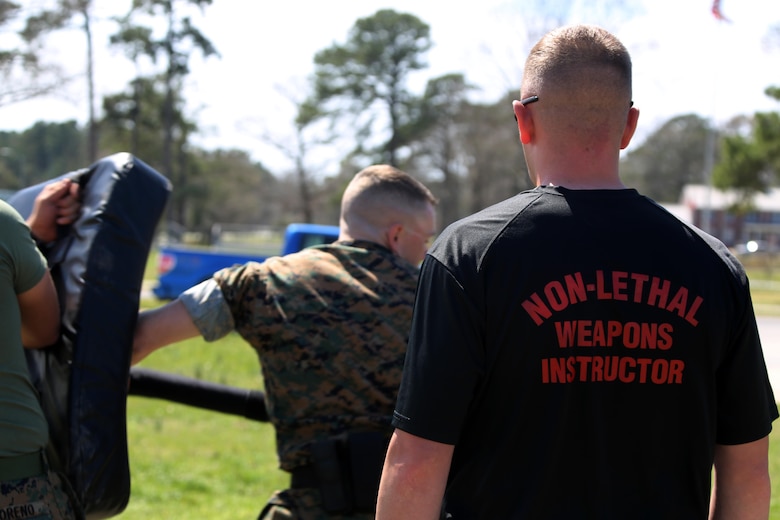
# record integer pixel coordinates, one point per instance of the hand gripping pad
(97, 264)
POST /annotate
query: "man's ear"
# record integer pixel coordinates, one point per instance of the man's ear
(631, 123)
(525, 122)
(392, 235)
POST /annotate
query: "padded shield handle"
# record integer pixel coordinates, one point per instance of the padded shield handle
(199, 393)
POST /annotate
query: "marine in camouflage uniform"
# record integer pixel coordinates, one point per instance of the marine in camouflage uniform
(39, 497)
(330, 326)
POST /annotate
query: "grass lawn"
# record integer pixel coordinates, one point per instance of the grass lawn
(188, 463)
(191, 463)
(774, 471)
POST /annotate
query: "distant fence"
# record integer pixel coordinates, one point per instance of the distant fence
(262, 239)
(762, 265)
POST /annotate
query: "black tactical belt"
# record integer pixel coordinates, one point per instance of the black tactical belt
(304, 477)
(346, 470)
(21, 466)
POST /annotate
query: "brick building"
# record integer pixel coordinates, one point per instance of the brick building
(708, 208)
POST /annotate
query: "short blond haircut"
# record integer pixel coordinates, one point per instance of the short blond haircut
(567, 56)
(380, 193)
(582, 75)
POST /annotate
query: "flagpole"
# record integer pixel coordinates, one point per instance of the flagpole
(709, 144)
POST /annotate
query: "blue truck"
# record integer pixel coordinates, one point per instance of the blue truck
(180, 267)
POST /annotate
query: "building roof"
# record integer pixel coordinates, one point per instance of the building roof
(701, 196)
(681, 211)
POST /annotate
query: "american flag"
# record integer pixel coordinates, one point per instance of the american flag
(717, 13)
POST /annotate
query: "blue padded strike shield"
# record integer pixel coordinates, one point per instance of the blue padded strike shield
(97, 265)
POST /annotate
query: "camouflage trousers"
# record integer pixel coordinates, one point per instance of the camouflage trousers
(41, 497)
(302, 504)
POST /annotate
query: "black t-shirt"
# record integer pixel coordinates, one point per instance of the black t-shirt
(583, 351)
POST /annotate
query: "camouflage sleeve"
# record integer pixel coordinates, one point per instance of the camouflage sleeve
(208, 309)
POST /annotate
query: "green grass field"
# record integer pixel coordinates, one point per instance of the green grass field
(191, 463)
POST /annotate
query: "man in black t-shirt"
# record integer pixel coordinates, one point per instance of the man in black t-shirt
(576, 351)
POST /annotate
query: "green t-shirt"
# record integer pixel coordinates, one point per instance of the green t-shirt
(23, 427)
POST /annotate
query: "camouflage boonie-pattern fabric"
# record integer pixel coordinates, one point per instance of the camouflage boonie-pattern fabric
(330, 325)
(302, 504)
(40, 498)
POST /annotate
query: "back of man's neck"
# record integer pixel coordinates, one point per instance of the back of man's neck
(584, 184)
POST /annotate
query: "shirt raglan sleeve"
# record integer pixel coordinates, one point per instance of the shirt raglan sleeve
(746, 402)
(444, 360)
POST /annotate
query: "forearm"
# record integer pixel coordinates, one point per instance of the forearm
(159, 327)
(403, 495)
(741, 484)
(749, 501)
(199, 311)
(413, 479)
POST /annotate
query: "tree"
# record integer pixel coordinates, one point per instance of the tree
(250, 188)
(768, 132)
(24, 74)
(750, 156)
(178, 43)
(367, 77)
(441, 112)
(49, 20)
(40, 153)
(134, 121)
(496, 164)
(750, 164)
(671, 157)
(298, 155)
(297, 149)
(83, 7)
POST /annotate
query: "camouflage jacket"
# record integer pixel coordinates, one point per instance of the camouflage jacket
(330, 325)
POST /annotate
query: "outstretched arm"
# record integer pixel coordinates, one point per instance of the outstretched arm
(741, 487)
(162, 326)
(413, 478)
(199, 311)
